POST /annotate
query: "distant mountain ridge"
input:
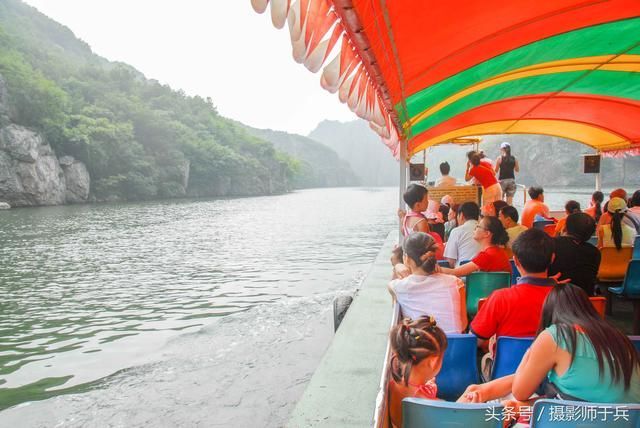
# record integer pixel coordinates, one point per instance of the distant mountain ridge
(319, 165)
(356, 143)
(544, 160)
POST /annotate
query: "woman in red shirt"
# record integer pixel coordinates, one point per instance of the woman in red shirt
(486, 176)
(492, 237)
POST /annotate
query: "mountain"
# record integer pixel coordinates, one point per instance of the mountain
(555, 161)
(319, 165)
(75, 127)
(356, 143)
(544, 160)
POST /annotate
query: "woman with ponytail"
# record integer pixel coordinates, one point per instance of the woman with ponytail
(425, 291)
(616, 233)
(595, 206)
(492, 237)
(418, 349)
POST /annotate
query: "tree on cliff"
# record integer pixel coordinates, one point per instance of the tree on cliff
(139, 139)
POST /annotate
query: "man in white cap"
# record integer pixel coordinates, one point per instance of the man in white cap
(506, 167)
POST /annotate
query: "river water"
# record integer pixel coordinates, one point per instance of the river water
(179, 313)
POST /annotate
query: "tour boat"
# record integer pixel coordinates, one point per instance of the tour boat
(429, 73)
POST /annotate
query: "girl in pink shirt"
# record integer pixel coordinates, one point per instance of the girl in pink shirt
(418, 350)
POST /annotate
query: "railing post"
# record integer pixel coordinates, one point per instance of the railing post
(403, 182)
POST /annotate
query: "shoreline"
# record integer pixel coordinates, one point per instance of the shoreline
(186, 198)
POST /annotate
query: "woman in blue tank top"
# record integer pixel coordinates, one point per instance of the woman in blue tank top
(582, 355)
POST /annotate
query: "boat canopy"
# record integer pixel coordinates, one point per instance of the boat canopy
(427, 73)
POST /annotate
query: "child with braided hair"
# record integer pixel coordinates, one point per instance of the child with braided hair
(418, 349)
(425, 291)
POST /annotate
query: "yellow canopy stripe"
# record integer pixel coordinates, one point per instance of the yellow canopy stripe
(590, 135)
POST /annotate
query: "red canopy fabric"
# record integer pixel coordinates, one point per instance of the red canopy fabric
(424, 73)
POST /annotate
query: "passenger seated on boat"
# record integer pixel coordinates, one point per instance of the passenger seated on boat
(418, 349)
(446, 180)
(595, 205)
(425, 292)
(575, 343)
(491, 237)
(435, 219)
(451, 223)
(575, 258)
(461, 246)
(583, 356)
(417, 198)
(515, 311)
(628, 219)
(447, 200)
(534, 206)
(492, 209)
(615, 233)
(414, 220)
(508, 216)
(634, 208)
(444, 211)
(570, 207)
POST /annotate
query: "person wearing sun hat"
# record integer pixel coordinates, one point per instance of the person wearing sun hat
(629, 218)
(506, 167)
(615, 233)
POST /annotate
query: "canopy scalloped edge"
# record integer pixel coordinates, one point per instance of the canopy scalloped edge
(316, 27)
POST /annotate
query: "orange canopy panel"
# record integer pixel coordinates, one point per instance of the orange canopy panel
(425, 73)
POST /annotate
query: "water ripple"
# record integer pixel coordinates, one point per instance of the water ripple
(86, 291)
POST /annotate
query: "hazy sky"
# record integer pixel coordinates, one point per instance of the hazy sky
(216, 48)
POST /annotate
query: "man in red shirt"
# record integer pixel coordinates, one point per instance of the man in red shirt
(515, 311)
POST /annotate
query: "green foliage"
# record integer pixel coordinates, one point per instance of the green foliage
(316, 165)
(138, 138)
(35, 100)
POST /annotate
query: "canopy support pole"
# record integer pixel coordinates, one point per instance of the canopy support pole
(426, 170)
(403, 182)
(599, 175)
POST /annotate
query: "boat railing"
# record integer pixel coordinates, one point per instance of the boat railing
(524, 192)
(380, 418)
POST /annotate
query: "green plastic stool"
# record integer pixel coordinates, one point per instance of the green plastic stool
(481, 284)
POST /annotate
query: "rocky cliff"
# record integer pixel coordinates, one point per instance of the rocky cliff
(30, 172)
